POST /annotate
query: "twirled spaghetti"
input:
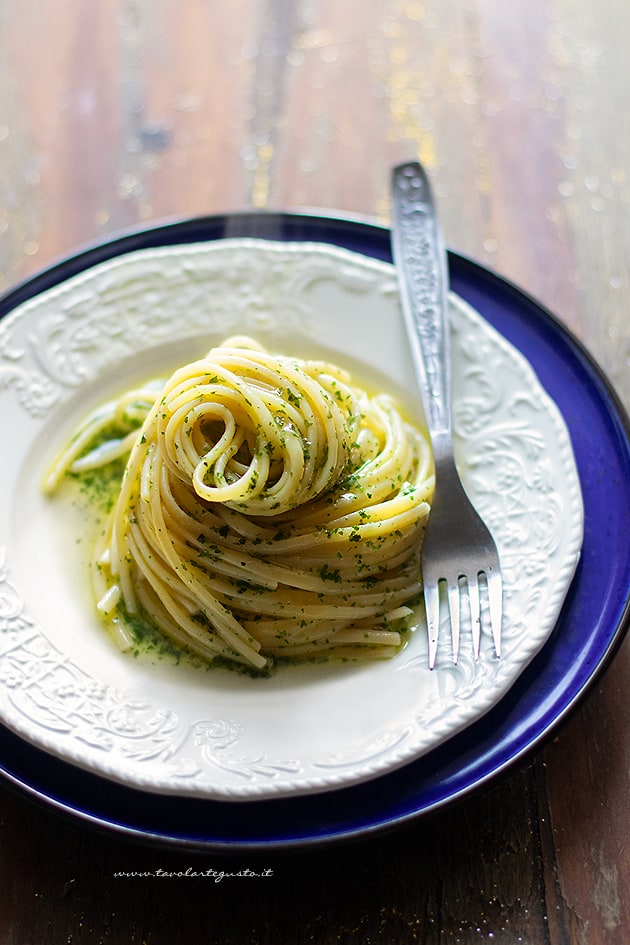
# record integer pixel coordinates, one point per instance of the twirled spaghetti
(268, 508)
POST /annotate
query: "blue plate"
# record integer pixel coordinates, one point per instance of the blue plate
(593, 621)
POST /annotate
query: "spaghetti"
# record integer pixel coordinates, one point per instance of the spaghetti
(269, 508)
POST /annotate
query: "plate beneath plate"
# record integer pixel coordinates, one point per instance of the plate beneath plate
(585, 637)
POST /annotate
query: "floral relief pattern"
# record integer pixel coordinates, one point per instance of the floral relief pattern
(216, 739)
(50, 347)
(48, 690)
(120, 315)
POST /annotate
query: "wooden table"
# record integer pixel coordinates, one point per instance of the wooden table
(119, 113)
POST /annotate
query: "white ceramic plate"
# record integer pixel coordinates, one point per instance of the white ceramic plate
(214, 733)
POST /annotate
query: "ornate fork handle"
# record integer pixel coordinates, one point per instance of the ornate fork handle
(420, 253)
(457, 547)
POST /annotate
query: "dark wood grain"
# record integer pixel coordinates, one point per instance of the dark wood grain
(123, 112)
(476, 869)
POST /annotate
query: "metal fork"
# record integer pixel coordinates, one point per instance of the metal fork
(458, 548)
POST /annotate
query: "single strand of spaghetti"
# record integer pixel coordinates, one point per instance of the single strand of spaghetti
(346, 653)
(195, 376)
(100, 571)
(121, 570)
(384, 620)
(331, 642)
(93, 426)
(141, 451)
(368, 637)
(319, 368)
(147, 474)
(109, 600)
(316, 633)
(178, 444)
(120, 634)
(100, 584)
(321, 637)
(264, 628)
(134, 405)
(224, 458)
(339, 651)
(106, 452)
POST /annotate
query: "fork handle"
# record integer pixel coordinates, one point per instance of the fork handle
(421, 263)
